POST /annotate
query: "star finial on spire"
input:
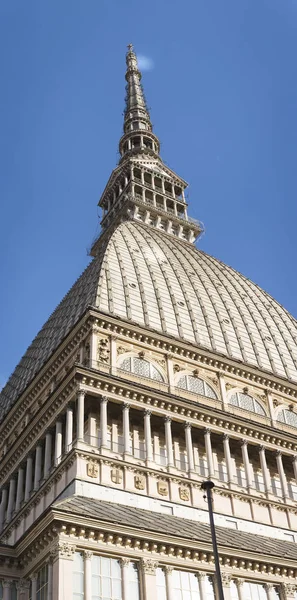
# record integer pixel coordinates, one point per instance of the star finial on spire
(130, 47)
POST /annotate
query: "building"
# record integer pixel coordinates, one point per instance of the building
(160, 368)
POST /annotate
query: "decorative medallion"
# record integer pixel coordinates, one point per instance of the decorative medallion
(162, 488)
(184, 493)
(139, 482)
(116, 476)
(92, 469)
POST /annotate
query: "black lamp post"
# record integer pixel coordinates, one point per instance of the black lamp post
(207, 486)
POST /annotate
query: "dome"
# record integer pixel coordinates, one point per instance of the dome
(162, 283)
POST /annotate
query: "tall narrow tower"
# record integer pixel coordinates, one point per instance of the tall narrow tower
(161, 367)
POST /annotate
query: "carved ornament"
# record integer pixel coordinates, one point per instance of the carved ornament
(92, 469)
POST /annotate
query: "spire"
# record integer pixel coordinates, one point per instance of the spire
(138, 135)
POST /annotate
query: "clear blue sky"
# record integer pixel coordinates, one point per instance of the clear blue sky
(223, 100)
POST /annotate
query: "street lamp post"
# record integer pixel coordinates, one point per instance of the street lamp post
(207, 486)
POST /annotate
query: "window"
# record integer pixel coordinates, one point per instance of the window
(107, 579)
(196, 385)
(42, 583)
(161, 584)
(288, 417)
(254, 591)
(247, 403)
(78, 577)
(141, 367)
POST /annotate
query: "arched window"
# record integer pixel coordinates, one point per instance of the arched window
(196, 385)
(247, 403)
(141, 367)
(288, 417)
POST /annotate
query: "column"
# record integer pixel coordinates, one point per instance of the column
(269, 588)
(239, 585)
(170, 372)
(88, 575)
(271, 408)
(226, 580)
(222, 385)
(80, 414)
(246, 462)
(37, 470)
(103, 422)
(189, 447)
(125, 578)
(149, 567)
(3, 507)
(169, 587)
(148, 435)
(69, 429)
(62, 555)
(11, 499)
(58, 443)
(34, 586)
(168, 440)
(29, 472)
(47, 455)
(20, 489)
(92, 430)
(126, 428)
(23, 586)
(50, 579)
(265, 472)
(201, 583)
(228, 459)
(281, 472)
(208, 449)
(6, 585)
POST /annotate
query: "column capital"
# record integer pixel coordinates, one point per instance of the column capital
(33, 577)
(261, 448)
(167, 419)
(187, 425)
(147, 412)
(243, 442)
(125, 561)
(288, 588)
(226, 436)
(22, 585)
(268, 586)
(104, 399)
(63, 550)
(87, 554)
(226, 579)
(239, 581)
(126, 406)
(149, 566)
(207, 430)
(168, 569)
(278, 453)
(200, 575)
(7, 583)
(81, 392)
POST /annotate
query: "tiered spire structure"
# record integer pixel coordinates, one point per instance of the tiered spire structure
(142, 187)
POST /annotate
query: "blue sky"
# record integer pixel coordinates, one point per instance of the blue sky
(223, 100)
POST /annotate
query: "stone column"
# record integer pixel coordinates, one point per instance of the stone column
(58, 443)
(6, 585)
(265, 472)
(20, 489)
(246, 462)
(226, 581)
(189, 447)
(126, 428)
(288, 591)
(148, 435)
(37, 470)
(50, 579)
(47, 454)
(125, 578)
(62, 556)
(69, 429)
(168, 441)
(228, 459)
(208, 449)
(88, 575)
(23, 586)
(11, 499)
(3, 507)
(34, 586)
(169, 586)
(29, 474)
(239, 585)
(282, 476)
(80, 414)
(269, 588)
(201, 583)
(103, 421)
(149, 567)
